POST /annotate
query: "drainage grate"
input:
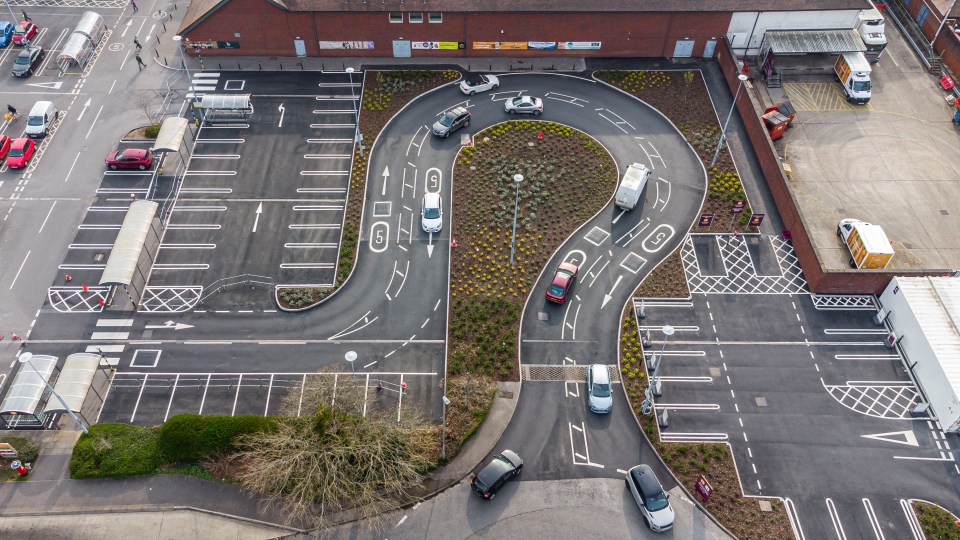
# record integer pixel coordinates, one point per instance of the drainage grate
(553, 372)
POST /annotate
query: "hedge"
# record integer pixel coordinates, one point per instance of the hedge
(26, 450)
(191, 437)
(115, 450)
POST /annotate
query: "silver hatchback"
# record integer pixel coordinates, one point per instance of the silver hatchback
(599, 396)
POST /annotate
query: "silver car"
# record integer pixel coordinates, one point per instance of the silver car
(599, 396)
(524, 105)
(653, 501)
(451, 121)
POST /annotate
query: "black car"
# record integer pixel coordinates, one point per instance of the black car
(451, 121)
(27, 61)
(491, 478)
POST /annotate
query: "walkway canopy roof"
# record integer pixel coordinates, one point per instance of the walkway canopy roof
(76, 50)
(171, 134)
(91, 24)
(74, 382)
(27, 388)
(784, 42)
(129, 244)
(233, 102)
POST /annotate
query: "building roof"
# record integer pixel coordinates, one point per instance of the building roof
(814, 41)
(935, 302)
(201, 9)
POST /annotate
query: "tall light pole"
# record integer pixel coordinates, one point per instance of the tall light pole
(667, 332)
(13, 18)
(351, 357)
(723, 132)
(357, 136)
(183, 58)
(25, 359)
(443, 445)
(517, 178)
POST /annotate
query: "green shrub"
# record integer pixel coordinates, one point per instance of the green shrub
(191, 437)
(28, 452)
(152, 131)
(115, 450)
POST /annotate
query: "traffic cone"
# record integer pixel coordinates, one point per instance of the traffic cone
(540, 135)
(100, 301)
(67, 278)
(454, 243)
(84, 287)
(14, 336)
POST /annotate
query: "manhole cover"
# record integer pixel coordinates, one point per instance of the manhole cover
(714, 372)
(761, 401)
(542, 315)
(505, 395)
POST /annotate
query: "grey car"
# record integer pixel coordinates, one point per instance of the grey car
(451, 121)
(599, 396)
(27, 60)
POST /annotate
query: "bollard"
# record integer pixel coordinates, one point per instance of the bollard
(491, 67)
(343, 67)
(238, 66)
(301, 66)
(158, 40)
(164, 27)
(165, 61)
(260, 66)
(323, 67)
(281, 66)
(664, 421)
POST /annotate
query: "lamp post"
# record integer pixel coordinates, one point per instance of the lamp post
(667, 332)
(443, 445)
(183, 58)
(357, 136)
(351, 357)
(25, 359)
(517, 178)
(942, 22)
(13, 18)
(723, 132)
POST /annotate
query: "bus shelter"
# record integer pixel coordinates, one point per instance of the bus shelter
(20, 408)
(224, 108)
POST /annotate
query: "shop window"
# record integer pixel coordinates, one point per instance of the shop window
(396, 17)
(435, 17)
(416, 17)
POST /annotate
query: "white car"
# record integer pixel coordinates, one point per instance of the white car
(431, 213)
(524, 105)
(654, 503)
(479, 83)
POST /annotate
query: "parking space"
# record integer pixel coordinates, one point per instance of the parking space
(266, 198)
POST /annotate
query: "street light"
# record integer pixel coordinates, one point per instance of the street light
(443, 445)
(351, 357)
(12, 16)
(517, 178)
(667, 332)
(25, 359)
(723, 132)
(357, 136)
(183, 59)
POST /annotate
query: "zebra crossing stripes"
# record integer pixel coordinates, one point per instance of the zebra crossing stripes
(202, 83)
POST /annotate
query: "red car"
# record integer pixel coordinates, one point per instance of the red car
(24, 31)
(131, 158)
(562, 282)
(4, 146)
(21, 150)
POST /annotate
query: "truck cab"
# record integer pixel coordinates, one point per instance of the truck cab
(853, 70)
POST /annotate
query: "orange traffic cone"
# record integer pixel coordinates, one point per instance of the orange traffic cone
(540, 135)
(454, 243)
(84, 287)
(67, 278)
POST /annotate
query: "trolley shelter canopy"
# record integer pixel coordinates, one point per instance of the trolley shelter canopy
(76, 50)
(27, 388)
(229, 102)
(91, 24)
(122, 264)
(787, 42)
(74, 382)
(171, 134)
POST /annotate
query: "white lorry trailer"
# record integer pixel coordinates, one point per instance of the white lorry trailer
(871, 27)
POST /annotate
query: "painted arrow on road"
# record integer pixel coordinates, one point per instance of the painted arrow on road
(85, 107)
(430, 247)
(607, 297)
(386, 174)
(281, 109)
(169, 325)
(257, 220)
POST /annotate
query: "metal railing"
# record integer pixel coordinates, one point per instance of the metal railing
(236, 282)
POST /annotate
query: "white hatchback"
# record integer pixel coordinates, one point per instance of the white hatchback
(431, 213)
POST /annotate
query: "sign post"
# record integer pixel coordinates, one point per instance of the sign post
(736, 210)
(706, 220)
(756, 220)
(704, 489)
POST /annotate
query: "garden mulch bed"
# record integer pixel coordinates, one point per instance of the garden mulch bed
(568, 177)
(937, 523)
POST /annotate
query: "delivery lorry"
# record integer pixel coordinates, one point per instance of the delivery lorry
(631, 187)
(853, 70)
(871, 27)
(868, 244)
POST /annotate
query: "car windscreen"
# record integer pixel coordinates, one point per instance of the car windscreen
(431, 213)
(446, 120)
(556, 290)
(657, 501)
(35, 121)
(861, 86)
(16, 153)
(601, 390)
(23, 59)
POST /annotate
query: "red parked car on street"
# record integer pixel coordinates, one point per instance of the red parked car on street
(131, 158)
(21, 151)
(4, 146)
(24, 32)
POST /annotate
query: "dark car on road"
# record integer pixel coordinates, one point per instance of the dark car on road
(451, 121)
(490, 479)
(27, 61)
(131, 158)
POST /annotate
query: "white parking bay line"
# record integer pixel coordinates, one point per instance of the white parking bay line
(105, 348)
(689, 406)
(324, 173)
(210, 74)
(306, 245)
(314, 226)
(114, 322)
(692, 437)
(329, 141)
(325, 156)
(110, 335)
(853, 331)
(320, 266)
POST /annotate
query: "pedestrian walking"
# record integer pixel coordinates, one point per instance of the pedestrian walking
(140, 61)
(137, 43)
(13, 112)
(25, 17)
(133, 4)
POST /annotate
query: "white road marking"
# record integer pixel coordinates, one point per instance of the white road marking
(837, 526)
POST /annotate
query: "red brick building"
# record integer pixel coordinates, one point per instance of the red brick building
(481, 28)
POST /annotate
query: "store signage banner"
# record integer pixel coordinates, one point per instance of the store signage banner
(346, 45)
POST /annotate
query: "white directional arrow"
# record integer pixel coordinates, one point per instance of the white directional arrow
(52, 85)
(607, 297)
(169, 325)
(430, 247)
(257, 220)
(386, 174)
(908, 437)
(85, 107)
(124, 34)
(281, 109)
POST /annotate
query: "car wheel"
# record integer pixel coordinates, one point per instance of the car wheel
(473, 92)
(467, 123)
(496, 86)
(646, 522)
(536, 113)
(112, 167)
(492, 495)
(142, 167)
(445, 135)
(513, 111)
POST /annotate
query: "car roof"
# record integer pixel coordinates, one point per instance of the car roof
(561, 278)
(431, 198)
(645, 480)
(601, 374)
(493, 470)
(135, 151)
(456, 111)
(22, 141)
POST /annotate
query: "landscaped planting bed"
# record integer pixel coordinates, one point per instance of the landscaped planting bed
(937, 523)
(568, 177)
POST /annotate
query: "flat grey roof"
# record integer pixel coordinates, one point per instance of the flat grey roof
(814, 41)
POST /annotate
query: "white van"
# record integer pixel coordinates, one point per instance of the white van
(40, 119)
(631, 187)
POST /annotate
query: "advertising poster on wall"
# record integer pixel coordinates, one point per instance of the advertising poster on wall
(438, 45)
(346, 45)
(500, 45)
(542, 45)
(580, 45)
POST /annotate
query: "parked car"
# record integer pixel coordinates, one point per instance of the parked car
(599, 396)
(6, 33)
(27, 61)
(562, 282)
(451, 121)
(479, 83)
(654, 503)
(494, 475)
(431, 213)
(524, 105)
(131, 158)
(21, 151)
(4, 146)
(24, 32)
